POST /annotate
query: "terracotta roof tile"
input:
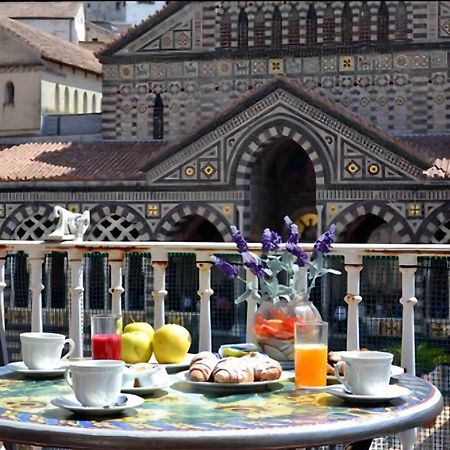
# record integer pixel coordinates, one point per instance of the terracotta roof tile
(35, 10)
(50, 47)
(435, 145)
(56, 161)
(311, 97)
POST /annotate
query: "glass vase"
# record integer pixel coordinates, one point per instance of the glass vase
(274, 325)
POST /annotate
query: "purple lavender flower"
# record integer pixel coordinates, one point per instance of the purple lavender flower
(324, 243)
(254, 264)
(271, 241)
(225, 267)
(239, 239)
(292, 231)
(298, 252)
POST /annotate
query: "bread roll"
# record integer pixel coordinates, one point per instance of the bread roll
(202, 366)
(265, 368)
(233, 370)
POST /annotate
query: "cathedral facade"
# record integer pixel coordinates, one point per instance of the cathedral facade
(220, 113)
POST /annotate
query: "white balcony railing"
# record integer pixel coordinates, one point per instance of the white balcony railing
(353, 263)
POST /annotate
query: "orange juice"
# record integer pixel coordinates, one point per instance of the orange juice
(311, 365)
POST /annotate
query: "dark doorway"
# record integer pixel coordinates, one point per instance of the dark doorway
(194, 228)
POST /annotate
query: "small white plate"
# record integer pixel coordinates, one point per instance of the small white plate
(176, 367)
(70, 402)
(211, 386)
(145, 390)
(392, 392)
(20, 367)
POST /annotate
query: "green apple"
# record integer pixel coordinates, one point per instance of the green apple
(171, 343)
(136, 347)
(143, 327)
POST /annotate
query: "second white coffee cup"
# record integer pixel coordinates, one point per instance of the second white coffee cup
(95, 383)
(365, 373)
(42, 351)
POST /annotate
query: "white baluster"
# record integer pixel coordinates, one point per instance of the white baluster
(408, 267)
(116, 290)
(204, 292)
(159, 263)
(353, 266)
(252, 304)
(4, 349)
(36, 258)
(77, 301)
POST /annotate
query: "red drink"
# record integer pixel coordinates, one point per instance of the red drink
(106, 346)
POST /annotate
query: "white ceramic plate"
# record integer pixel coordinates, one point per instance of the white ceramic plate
(70, 403)
(392, 392)
(145, 390)
(211, 386)
(173, 368)
(20, 367)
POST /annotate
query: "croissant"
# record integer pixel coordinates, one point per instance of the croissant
(233, 370)
(265, 368)
(202, 366)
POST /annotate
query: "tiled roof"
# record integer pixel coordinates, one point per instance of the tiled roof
(133, 33)
(40, 10)
(50, 47)
(311, 97)
(102, 160)
(432, 144)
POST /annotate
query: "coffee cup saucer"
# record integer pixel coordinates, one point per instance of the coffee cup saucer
(70, 403)
(20, 367)
(391, 392)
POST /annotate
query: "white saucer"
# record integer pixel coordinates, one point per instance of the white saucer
(145, 390)
(391, 392)
(20, 367)
(70, 402)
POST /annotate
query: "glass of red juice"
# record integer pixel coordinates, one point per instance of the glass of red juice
(106, 330)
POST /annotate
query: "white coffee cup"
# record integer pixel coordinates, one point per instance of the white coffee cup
(365, 373)
(42, 351)
(95, 382)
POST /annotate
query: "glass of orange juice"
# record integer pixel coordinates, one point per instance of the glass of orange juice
(311, 354)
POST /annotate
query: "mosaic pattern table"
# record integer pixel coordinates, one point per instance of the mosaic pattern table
(178, 417)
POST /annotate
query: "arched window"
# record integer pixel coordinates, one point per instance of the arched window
(94, 103)
(225, 31)
(57, 100)
(401, 21)
(243, 29)
(383, 23)
(347, 24)
(329, 24)
(276, 28)
(66, 100)
(293, 27)
(9, 93)
(364, 23)
(85, 103)
(158, 118)
(75, 101)
(260, 29)
(311, 25)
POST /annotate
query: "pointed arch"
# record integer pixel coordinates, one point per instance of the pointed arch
(259, 29)
(364, 23)
(169, 221)
(225, 30)
(66, 100)
(85, 103)
(293, 27)
(158, 118)
(329, 24)
(75, 101)
(57, 99)
(9, 96)
(347, 24)
(277, 25)
(383, 23)
(94, 103)
(311, 25)
(401, 21)
(242, 29)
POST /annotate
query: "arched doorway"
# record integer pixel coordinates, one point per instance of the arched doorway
(283, 183)
(194, 228)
